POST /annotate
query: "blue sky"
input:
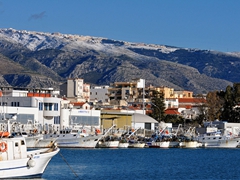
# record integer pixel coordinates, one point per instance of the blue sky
(202, 24)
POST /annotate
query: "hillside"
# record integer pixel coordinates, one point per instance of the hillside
(48, 59)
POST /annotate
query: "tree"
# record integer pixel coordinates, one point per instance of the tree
(231, 109)
(158, 106)
(214, 105)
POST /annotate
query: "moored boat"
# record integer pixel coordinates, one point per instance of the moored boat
(218, 140)
(74, 138)
(17, 162)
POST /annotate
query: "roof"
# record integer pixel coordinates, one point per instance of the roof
(172, 111)
(142, 118)
(191, 100)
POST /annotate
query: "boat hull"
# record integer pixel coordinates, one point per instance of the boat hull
(189, 144)
(71, 141)
(108, 144)
(22, 168)
(161, 144)
(123, 145)
(220, 143)
(137, 145)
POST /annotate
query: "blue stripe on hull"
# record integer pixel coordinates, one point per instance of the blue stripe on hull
(20, 167)
(25, 177)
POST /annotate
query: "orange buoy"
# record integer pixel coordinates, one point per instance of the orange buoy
(4, 134)
(3, 146)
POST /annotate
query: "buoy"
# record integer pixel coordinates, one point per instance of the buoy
(31, 163)
(3, 147)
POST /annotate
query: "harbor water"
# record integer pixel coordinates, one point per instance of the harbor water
(147, 163)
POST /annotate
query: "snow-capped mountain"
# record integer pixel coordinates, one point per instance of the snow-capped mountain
(102, 61)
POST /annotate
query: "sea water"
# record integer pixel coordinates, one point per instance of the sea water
(147, 163)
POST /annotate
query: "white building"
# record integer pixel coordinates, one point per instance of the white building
(43, 110)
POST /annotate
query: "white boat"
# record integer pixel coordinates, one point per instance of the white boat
(108, 140)
(17, 162)
(218, 140)
(123, 143)
(35, 140)
(74, 138)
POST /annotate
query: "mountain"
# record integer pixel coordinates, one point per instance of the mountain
(37, 59)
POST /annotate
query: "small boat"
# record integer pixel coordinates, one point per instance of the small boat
(108, 144)
(18, 162)
(123, 143)
(108, 140)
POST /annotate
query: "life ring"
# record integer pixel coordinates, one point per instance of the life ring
(3, 147)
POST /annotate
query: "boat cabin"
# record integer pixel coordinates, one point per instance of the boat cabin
(12, 148)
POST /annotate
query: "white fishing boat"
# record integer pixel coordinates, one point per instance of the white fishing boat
(108, 140)
(188, 139)
(218, 140)
(17, 162)
(74, 138)
(35, 140)
(123, 143)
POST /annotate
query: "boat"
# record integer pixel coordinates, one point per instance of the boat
(135, 141)
(190, 144)
(218, 140)
(164, 139)
(35, 140)
(123, 143)
(136, 144)
(74, 138)
(108, 140)
(18, 162)
(188, 139)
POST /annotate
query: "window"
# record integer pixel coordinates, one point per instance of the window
(50, 106)
(57, 120)
(22, 143)
(55, 106)
(40, 106)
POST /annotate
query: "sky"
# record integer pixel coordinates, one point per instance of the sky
(200, 24)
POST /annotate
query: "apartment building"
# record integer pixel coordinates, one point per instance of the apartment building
(75, 90)
(129, 91)
(99, 94)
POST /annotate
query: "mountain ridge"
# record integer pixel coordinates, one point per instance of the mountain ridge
(101, 61)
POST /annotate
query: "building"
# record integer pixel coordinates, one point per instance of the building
(76, 90)
(99, 95)
(36, 106)
(129, 91)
